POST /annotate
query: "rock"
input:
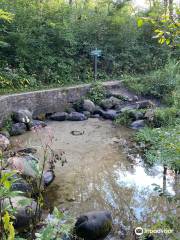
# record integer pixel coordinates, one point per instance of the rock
(87, 113)
(98, 110)
(4, 142)
(48, 177)
(18, 129)
(106, 104)
(38, 124)
(88, 105)
(137, 124)
(135, 115)
(22, 116)
(110, 103)
(94, 225)
(21, 185)
(145, 104)
(26, 208)
(40, 117)
(120, 95)
(78, 106)
(27, 165)
(70, 109)
(109, 114)
(26, 150)
(5, 133)
(95, 116)
(149, 115)
(76, 116)
(128, 108)
(59, 116)
(77, 133)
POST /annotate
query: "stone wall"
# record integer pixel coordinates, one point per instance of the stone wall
(46, 101)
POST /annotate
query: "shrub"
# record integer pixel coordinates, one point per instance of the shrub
(162, 145)
(165, 117)
(97, 92)
(16, 79)
(159, 83)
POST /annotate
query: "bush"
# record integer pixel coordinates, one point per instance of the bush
(165, 117)
(162, 145)
(159, 83)
(16, 79)
(97, 92)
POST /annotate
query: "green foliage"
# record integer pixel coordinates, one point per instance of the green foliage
(124, 118)
(162, 145)
(159, 83)
(165, 117)
(58, 225)
(49, 42)
(16, 79)
(5, 16)
(166, 27)
(7, 124)
(97, 92)
(8, 226)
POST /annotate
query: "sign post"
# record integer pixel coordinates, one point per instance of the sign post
(96, 53)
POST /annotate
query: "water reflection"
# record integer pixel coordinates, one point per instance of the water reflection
(99, 176)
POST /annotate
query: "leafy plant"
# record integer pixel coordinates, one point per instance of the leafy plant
(165, 117)
(57, 226)
(124, 118)
(161, 145)
(97, 92)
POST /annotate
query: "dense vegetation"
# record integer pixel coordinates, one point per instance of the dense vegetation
(49, 42)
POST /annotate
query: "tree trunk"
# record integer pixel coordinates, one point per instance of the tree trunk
(165, 5)
(171, 8)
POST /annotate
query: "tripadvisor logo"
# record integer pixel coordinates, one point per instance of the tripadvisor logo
(139, 231)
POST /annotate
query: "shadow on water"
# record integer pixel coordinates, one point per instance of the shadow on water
(99, 176)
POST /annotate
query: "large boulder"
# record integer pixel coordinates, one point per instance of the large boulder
(26, 209)
(59, 116)
(4, 142)
(94, 225)
(27, 165)
(110, 103)
(22, 116)
(109, 114)
(18, 129)
(138, 124)
(88, 105)
(76, 116)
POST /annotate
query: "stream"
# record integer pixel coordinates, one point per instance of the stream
(98, 175)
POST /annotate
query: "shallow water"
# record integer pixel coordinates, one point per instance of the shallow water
(99, 176)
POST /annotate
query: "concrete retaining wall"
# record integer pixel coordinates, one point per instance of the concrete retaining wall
(46, 101)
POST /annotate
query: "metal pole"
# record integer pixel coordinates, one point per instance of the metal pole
(95, 67)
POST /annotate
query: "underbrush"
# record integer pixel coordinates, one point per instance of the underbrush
(165, 117)
(161, 145)
(160, 83)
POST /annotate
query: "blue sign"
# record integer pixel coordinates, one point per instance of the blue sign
(96, 52)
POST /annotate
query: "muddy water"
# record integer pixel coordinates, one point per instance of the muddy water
(99, 176)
